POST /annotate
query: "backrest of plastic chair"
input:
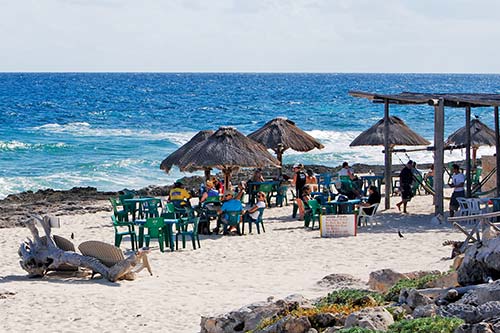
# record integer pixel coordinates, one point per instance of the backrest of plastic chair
(314, 204)
(214, 198)
(233, 217)
(154, 226)
(462, 202)
(266, 188)
(474, 205)
(261, 214)
(375, 207)
(126, 196)
(114, 203)
(170, 208)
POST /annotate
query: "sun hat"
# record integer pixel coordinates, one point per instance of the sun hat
(410, 162)
(297, 165)
(229, 193)
(209, 183)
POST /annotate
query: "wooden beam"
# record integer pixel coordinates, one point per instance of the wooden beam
(497, 139)
(387, 157)
(439, 155)
(467, 152)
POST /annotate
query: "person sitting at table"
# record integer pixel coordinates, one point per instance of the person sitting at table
(257, 176)
(355, 184)
(230, 204)
(429, 176)
(311, 180)
(303, 202)
(241, 190)
(373, 198)
(218, 186)
(209, 191)
(252, 214)
(179, 196)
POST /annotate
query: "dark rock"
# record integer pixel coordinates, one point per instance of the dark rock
(372, 318)
(428, 310)
(416, 298)
(466, 312)
(323, 320)
(481, 263)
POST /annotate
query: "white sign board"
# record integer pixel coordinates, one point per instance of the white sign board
(338, 225)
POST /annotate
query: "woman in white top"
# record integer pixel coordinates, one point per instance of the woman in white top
(346, 171)
(457, 182)
(253, 212)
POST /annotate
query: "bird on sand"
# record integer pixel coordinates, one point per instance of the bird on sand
(72, 236)
(400, 234)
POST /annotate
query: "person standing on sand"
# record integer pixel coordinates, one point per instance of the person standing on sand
(299, 180)
(457, 182)
(405, 183)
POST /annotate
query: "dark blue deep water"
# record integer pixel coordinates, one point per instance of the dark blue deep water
(112, 130)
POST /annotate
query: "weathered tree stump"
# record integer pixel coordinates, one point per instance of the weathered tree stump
(37, 257)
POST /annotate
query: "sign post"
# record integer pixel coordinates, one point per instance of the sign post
(338, 225)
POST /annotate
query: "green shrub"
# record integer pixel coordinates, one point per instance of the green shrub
(393, 293)
(357, 330)
(426, 325)
(352, 297)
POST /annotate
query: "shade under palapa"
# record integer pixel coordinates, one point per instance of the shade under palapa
(399, 135)
(175, 157)
(281, 134)
(227, 150)
(480, 135)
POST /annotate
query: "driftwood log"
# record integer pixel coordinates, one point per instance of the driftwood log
(38, 257)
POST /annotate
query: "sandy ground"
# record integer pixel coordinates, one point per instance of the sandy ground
(225, 274)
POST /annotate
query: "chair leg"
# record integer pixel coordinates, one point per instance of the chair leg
(262, 224)
(258, 228)
(177, 242)
(198, 240)
(161, 242)
(118, 240)
(193, 241)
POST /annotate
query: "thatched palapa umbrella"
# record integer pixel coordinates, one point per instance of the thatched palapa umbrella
(227, 150)
(480, 135)
(281, 134)
(399, 134)
(175, 157)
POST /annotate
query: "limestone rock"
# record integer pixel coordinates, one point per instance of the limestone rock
(482, 294)
(481, 262)
(323, 320)
(428, 310)
(466, 312)
(372, 318)
(341, 281)
(416, 298)
(489, 311)
(444, 281)
(382, 280)
(288, 324)
(457, 261)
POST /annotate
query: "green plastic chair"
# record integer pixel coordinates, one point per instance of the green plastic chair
(128, 207)
(233, 220)
(258, 222)
(151, 208)
(268, 189)
(130, 231)
(155, 231)
(314, 215)
(120, 215)
(416, 184)
(187, 226)
(476, 179)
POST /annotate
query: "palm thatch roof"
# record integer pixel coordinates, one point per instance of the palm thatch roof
(227, 150)
(399, 134)
(480, 135)
(281, 134)
(174, 158)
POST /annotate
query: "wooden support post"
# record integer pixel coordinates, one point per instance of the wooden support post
(467, 151)
(439, 155)
(497, 139)
(387, 157)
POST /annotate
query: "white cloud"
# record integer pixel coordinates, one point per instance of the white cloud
(249, 35)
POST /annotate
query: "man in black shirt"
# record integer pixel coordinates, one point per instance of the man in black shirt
(299, 180)
(405, 183)
(373, 198)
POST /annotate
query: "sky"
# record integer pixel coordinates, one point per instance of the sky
(417, 36)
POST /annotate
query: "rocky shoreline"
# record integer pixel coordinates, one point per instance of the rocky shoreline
(454, 301)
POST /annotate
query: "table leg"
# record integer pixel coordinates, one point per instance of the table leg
(141, 236)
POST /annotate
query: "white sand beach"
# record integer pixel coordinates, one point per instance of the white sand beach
(225, 274)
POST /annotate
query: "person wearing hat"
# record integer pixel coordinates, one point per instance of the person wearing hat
(299, 180)
(457, 182)
(179, 196)
(230, 205)
(405, 183)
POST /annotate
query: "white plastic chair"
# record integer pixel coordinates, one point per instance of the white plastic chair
(474, 206)
(364, 216)
(464, 207)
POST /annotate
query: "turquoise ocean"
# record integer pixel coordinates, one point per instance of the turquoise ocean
(112, 130)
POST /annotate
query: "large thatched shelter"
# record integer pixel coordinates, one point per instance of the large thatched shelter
(399, 135)
(480, 135)
(281, 134)
(227, 150)
(175, 157)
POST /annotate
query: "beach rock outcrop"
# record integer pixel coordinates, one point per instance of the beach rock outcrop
(249, 317)
(377, 318)
(341, 281)
(382, 280)
(481, 262)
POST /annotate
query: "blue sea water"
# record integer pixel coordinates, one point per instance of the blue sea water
(112, 130)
